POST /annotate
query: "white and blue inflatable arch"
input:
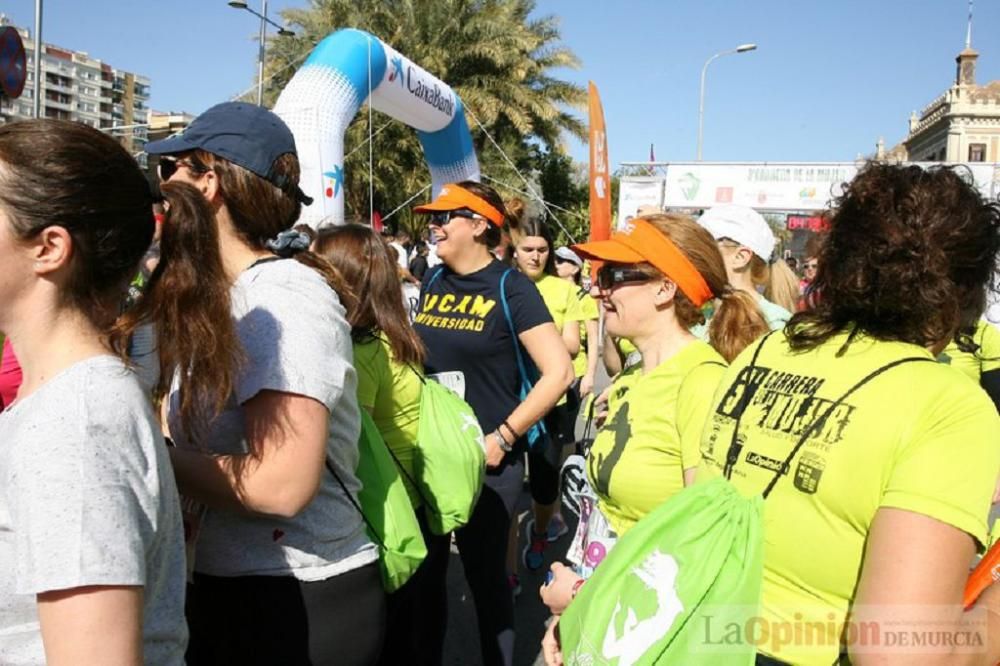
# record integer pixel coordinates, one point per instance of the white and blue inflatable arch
(326, 93)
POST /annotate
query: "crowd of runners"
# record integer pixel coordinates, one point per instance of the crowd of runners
(186, 373)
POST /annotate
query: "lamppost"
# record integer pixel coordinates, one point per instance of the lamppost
(37, 102)
(742, 48)
(264, 21)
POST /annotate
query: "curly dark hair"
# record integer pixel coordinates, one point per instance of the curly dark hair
(909, 257)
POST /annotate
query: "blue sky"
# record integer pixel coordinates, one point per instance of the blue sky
(827, 80)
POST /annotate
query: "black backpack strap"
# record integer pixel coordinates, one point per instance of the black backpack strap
(350, 498)
(733, 454)
(822, 419)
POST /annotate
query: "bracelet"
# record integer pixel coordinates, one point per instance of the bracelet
(512, 432)
(501, 442)
(576, 588)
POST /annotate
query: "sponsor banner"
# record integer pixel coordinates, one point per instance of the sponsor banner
(763, 186)
(638, 191)
(410, 94)
(792, 186)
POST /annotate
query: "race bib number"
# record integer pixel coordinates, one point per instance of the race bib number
(593, 540)
(453, 380)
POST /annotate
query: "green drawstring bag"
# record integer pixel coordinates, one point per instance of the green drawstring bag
(695, 561)
(450, 458)
(386, 508)
(687, 573)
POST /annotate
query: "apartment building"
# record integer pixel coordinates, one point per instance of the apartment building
(76, 86)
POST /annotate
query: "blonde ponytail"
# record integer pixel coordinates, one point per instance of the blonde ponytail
(781, 285)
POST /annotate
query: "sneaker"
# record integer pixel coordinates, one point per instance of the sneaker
(533, 554)
(557, 528)
(514, 584)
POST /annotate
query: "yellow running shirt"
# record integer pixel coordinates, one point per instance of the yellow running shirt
(919, 437)
(560, 299)
(588, 312)
(987, 358)
(652, 433)
(390, 391)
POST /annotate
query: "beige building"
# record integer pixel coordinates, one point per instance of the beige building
(962, 125)
(76, 86)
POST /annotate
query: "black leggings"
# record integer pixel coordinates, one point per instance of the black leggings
(280, 620)
(418, 611)
(544, 464)
(482, 544)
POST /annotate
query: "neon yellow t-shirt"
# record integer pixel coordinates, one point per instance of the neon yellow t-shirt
(390, 391)
(652, 433)
(919, 437)
(588, 312)
(560, 299)
(973, 365)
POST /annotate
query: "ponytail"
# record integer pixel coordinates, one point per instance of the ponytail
(780, 284)
(737, 322)
(187, 300)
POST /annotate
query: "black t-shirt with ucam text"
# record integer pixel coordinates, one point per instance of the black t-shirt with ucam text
(461, 322)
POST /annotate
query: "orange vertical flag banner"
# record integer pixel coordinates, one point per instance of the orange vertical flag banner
(600, 175)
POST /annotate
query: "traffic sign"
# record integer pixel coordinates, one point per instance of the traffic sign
(13, 64)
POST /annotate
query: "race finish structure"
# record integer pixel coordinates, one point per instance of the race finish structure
(329, 89)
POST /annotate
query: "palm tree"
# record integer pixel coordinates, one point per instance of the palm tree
(494, 55)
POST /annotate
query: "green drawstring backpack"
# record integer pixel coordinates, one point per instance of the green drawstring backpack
(691, 566)
(385, 507)
(450, 458)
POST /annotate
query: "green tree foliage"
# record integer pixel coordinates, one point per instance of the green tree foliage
(498, 58)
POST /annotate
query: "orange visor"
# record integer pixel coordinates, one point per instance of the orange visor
(639, 242)
(454, 197)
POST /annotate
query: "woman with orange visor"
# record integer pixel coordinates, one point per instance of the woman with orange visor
(656, 275)
(479, 319)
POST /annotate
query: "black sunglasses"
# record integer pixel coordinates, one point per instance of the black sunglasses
(612, 276)
(168, 166)
(444, 217)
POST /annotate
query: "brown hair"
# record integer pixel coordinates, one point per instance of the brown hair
(187, 298)
(65, 174)
(59, 173)
(261, 210)
(738, 320)
(909, 256)
(364, 261)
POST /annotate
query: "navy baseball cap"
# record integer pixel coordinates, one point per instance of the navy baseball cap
(245, 134)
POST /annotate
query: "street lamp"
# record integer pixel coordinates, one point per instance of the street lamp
(742, 48)
(264, 21)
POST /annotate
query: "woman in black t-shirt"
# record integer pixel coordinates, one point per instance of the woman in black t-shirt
(476, 315)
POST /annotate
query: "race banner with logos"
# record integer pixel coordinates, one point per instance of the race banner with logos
(763, 186)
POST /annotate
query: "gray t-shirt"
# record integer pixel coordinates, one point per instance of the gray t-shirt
(296, 340)
(87, 497)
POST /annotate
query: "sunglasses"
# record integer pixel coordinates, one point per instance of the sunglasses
(444, 217)
(168, 166)
(612, 276)
(560, 260)
(813, 265)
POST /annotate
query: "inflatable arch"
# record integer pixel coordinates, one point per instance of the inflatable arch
(326, 93)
